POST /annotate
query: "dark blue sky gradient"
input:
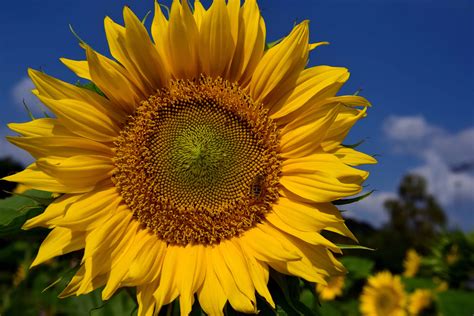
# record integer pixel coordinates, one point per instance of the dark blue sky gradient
(411, 57)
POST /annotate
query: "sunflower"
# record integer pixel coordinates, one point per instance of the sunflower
(201, 161)
(383, 295)
(411, 263)
(334, 287)
(419, 300)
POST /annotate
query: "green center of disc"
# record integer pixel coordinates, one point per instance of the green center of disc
(199, 155)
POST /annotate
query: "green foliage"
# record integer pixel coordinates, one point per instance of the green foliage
(286, 292)
(359, 268)
(455, 302)
(411, 284)
(15, 210)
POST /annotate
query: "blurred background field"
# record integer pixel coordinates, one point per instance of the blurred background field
(414, 61)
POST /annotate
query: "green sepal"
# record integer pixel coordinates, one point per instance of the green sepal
(271, 44)
(353, 247)
(90, 86)
(146, 16)
(352, 200)
(353, 146)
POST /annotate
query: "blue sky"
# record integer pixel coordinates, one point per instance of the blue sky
(414, 60)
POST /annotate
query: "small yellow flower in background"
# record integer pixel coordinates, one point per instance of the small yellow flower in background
(411, 263)
(209, 162)
(333, 289)
(383, 295)
(19, 275)
(419, 300)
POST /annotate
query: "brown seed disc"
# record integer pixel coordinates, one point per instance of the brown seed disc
(198, 163)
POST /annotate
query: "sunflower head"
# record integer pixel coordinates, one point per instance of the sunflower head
(204, 162)
(383, 295)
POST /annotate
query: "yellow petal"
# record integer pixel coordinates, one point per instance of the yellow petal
(198, 13)
(59, 242)
(40, 127)
(317, 187)
(212, 297)
(35, 178)
(52, 88)
(147, 265)
(116, 39)
(281, 64)
(53, 212)
(159, 32)
(259, 274)
(143, 52)
(341, 126)
(352, 157)
(60, 146)
(81, 170)
(111, 79)
(90, 210)
(216, 42)
(303, 216)
(79, 67)
(303, 136)
(235, 261)
(191, 275)
(183, 41)
(237, 299)
(85, 120)
(122, 256)
(312, 83)
(168, 289)
(264, 247)
(250, 43)
(146, 302)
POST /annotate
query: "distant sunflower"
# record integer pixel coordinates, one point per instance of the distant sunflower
(383, 295)
(419, 300)
(204, 161)
(331, 290)
(411, 263)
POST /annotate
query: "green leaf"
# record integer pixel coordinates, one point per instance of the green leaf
(15, 210)
(455, 302)
(412, 284)
(287, 296)
(359, 268)
(352, 200)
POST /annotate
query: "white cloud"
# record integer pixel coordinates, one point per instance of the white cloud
(408, 128)
(21, 92)
(440, 153)
(371, 208)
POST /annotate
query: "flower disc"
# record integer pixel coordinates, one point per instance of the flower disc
(198, 163)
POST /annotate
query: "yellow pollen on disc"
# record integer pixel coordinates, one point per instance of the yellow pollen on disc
(198, 163)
